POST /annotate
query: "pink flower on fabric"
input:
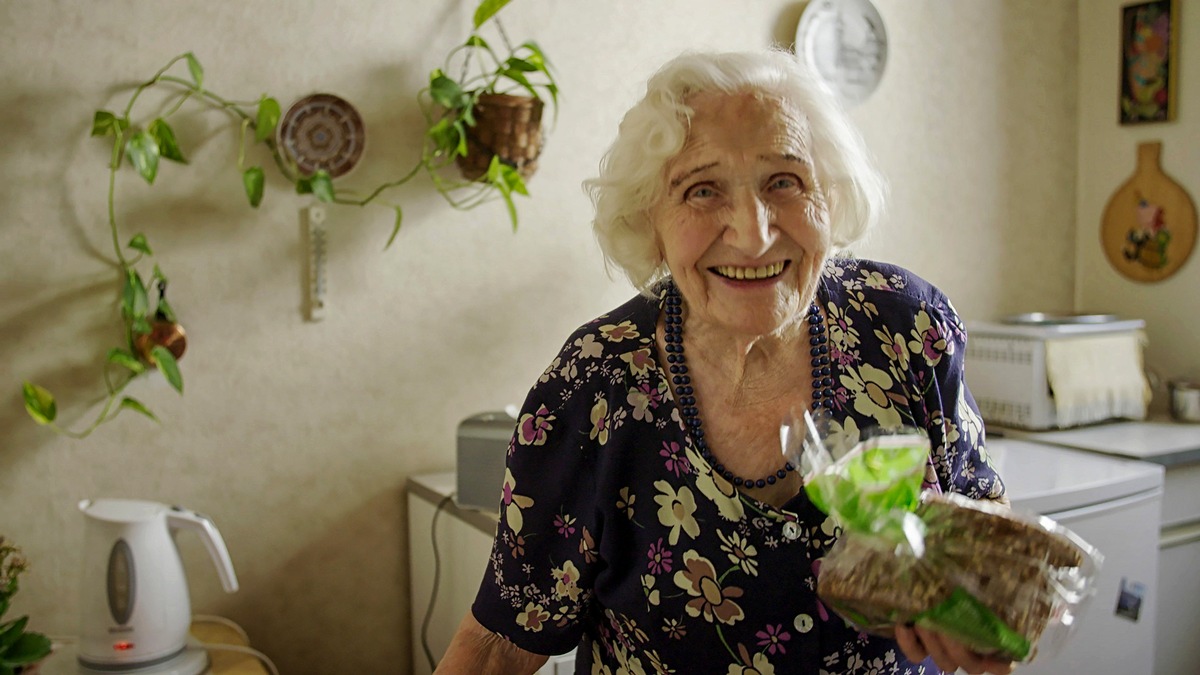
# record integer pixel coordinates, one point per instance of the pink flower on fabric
(660, 558)
(677, 461)
(535, 427)
(565, 524)
(773, 637)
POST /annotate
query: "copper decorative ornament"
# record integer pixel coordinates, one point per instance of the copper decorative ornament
(165, 334)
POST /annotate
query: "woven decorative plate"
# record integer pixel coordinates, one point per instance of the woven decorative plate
(322, 131)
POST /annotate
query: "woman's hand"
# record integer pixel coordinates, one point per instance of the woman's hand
(918, 643)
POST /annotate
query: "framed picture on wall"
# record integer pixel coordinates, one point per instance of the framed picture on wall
(1149, 44)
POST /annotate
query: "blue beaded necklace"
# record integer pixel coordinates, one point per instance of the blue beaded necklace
(822, 383)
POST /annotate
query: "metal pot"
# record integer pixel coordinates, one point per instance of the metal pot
(1185, 400)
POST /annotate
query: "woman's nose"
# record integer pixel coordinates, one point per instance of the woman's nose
(750, 229)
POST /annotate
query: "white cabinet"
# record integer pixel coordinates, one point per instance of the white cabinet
(1176, 447)
(446, 564)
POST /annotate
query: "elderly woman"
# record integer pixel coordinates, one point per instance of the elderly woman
(648, 515)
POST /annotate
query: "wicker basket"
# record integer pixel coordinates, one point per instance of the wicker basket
(508, 126)
(1006, 560)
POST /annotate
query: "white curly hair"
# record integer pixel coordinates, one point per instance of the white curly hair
(654, 130)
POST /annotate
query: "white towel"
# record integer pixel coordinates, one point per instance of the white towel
(1097, 377)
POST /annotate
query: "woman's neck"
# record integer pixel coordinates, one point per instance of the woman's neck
(749, 365)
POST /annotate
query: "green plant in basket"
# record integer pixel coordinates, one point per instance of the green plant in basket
(19, 649)
(488, 120)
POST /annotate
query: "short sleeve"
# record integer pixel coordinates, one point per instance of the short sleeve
(953, 420)
(536, 588)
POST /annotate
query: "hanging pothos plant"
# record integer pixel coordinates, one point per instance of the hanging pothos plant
(458, 130)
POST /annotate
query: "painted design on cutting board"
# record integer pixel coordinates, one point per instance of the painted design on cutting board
(1149, 237)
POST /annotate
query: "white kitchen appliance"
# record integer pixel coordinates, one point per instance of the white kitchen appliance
(1041, 372)
(481, 453)
(1115, 505)
(135, 608)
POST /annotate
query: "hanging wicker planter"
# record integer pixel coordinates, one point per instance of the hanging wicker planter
(508, 126)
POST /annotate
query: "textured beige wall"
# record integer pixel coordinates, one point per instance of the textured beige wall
(1107, 158)
(297, 437)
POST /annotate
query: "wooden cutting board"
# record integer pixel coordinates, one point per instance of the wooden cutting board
(1149, 225)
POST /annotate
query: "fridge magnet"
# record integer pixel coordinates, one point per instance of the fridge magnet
(1129, 599)
(1149, 44)
(1149, 226)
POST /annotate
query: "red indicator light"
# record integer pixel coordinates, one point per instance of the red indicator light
(122, 646)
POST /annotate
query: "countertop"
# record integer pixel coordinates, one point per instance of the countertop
(1162, 442)
(62, 660)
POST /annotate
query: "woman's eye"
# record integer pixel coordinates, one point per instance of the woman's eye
(784, 181)
(701, 191)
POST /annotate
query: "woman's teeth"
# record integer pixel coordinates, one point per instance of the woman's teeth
(763, 272)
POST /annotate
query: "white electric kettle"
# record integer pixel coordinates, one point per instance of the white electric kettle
(135, 608)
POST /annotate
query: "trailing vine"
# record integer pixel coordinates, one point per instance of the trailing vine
(449, 110)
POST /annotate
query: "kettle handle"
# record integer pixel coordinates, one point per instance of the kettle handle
(178, 517)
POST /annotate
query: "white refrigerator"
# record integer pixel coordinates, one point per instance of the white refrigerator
(1115, 505)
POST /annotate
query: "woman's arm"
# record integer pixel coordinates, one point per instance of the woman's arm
(475, 650)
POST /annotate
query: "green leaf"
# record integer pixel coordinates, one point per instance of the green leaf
(523, 65)
(136, 405)
(165, 361)
(303, 186)
(268, 117)
(461, 129)
(164, 311)
(519, 77)
(142, 149)
(140, 326)
(28, 648)
(164, 136)
(134, 301)
(253, 180)
(125, 359)
(445, 91)
(498, 176)
(139, 243)
(108, 124)
(39, 403)
(195, 69)
(477, 42)
(487, 9)
(444, 135)
(395, 229)
(322, 185)
(511, 179)
(158, 274)
(9, 632)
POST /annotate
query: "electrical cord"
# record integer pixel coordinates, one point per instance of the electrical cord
(437, 574)
(240, 649)
(213, 618)
(217, 647)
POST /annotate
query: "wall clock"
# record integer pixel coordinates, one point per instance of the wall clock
(845, 43)
(322, 131)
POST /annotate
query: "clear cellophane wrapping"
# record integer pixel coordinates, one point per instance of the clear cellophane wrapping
(1004, 583)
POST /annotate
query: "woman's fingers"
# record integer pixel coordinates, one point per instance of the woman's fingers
(910, 644)
(949, 654)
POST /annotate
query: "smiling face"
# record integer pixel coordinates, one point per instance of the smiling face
(742, 224)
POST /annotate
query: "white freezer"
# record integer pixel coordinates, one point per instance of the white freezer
(1115, 505)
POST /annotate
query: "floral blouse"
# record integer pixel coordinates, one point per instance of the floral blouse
(616, 536)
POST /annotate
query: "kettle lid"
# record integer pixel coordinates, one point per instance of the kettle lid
(122, 510)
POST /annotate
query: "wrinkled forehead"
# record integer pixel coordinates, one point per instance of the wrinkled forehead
(728, 129)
